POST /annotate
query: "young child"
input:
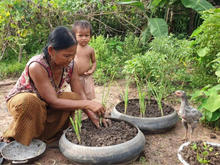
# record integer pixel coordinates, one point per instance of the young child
(85, 56)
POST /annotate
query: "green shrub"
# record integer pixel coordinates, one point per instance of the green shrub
(111, 53)
(171, 60)
(11, 69)
(208, 99)
(207, 42)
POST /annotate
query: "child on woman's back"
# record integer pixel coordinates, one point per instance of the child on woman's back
(85, 56)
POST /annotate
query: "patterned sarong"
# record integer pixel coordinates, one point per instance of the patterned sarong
(32, 118)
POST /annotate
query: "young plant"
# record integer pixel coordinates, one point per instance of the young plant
(77, 124)
(157, 92)
(203, 152)
(105, 94)
(126, 97)
(141, 96)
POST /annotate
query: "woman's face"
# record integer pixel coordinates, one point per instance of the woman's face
(62, 57)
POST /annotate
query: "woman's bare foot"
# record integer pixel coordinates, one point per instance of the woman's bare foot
(6, 140)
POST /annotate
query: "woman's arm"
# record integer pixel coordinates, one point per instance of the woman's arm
(41, 81)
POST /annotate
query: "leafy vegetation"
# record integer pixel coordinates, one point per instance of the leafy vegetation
(207, 42)
(203, 152)
(208, 99)
(149, 39)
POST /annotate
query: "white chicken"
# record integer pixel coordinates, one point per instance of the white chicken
(189, 115)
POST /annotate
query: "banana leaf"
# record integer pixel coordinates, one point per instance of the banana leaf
(158, 27)
(197, 5)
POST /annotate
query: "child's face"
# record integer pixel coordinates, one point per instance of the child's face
(83, 36)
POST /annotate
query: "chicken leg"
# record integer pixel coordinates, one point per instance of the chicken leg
(186, 130)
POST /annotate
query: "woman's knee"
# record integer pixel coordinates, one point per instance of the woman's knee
(26, 101)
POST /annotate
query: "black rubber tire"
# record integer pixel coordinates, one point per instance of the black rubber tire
(115, 154)
(149, 124)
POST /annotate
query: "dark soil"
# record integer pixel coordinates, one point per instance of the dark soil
(117, 133)
(199, 152)
(152, 109)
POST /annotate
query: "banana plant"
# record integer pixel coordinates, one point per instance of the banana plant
(158, 26)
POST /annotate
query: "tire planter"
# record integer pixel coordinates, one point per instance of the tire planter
(114, 154)
(180, 157)
(148, 124)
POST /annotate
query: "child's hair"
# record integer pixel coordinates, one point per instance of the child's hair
(60, 38)
(83, 24)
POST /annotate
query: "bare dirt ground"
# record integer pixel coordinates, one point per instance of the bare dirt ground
(161, 149)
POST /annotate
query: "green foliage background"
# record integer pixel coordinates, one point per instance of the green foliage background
(172, 59)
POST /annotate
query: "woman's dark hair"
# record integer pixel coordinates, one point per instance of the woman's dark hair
(60, 38)
(83, 24)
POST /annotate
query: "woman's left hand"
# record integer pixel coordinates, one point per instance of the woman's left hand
(96, 120)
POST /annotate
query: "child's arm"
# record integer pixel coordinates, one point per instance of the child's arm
(93, 60)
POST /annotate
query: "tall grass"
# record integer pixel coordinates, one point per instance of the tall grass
(11, 68)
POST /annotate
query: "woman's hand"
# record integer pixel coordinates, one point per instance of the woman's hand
(98, 121)
(95, 107)
(94, 118)
(106, 122)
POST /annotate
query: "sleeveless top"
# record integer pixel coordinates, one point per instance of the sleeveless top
(25, 84)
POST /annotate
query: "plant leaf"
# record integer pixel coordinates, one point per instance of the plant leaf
(217, 73)
(213, 103)
(158, 27)
(145, 35)
(137, 4)
(196, 32)
(202, 52)
(197, 5)
(215, 115)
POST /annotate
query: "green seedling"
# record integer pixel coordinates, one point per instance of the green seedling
(77, 124)
(202, 160)
(126, 97)
(124, 94)
(194, 146)
(142, 96)
(105, 95)
(157, 92)
(203, 152)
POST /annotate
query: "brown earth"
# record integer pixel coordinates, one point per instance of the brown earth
(209, 154)
(119, 132)
(160, 149)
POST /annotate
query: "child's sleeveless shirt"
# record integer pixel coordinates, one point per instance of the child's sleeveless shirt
(25, 84)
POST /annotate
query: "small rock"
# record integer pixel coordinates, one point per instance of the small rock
(212, 136)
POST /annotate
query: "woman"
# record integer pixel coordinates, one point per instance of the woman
(39, 107)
